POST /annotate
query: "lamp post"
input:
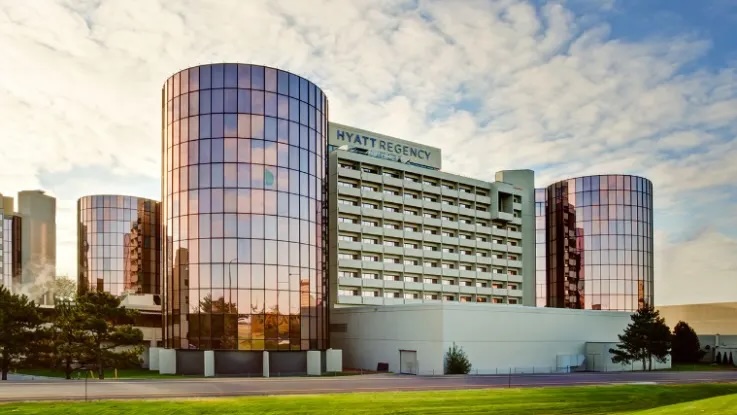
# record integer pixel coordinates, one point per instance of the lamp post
(230, 283)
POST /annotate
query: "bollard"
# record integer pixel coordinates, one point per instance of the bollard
(116, 374)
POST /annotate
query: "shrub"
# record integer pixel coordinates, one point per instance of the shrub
(456, 361)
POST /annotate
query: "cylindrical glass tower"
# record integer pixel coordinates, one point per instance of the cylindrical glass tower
(599, 243)
(244, 185)
(118, 244)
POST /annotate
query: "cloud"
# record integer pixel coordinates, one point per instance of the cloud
(496, 85)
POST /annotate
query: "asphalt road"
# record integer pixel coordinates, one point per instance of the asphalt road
(36, 390)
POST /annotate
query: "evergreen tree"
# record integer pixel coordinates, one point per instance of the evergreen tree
(686, 346)
(112, 339)
(718, 359)
(731, 362)
(67, 337)
(456, 361)
(645, 338)
(19, 328)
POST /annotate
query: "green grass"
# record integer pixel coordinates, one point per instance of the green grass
(591, 400)
(109, 374)
(696, 367)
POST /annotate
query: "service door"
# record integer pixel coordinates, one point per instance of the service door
(408, 362)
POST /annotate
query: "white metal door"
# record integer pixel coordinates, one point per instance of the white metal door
(408, 362)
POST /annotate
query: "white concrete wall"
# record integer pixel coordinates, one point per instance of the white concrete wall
(496, 338)
(599, 359)
(375, 334)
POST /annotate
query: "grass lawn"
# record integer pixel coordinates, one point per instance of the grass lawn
(109, 374)
(695, 367)
(623, 400)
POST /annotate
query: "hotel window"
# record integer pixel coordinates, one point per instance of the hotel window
(411, 262)
(371, 241)
(410, 228)
(391, 260)
(389, 225)
(391, 174)
(482, 284)
(464, 236)
(497, 285)
(393, 294)
(347, 256)
(448, 250)
(465, 299)
(392, 278)
(411, 296)
(512, 257)
(512, 301)
(348, 202)
(431, 264)
(448, 202)
(429, 183)
(430, 215)
(411, 195)
(370, 258)
(481, 300)
(466, 252)
(429, 199)
(389, 242)
(369, 205)
(410, 212)
(430, 231)
(448, 282)
(449, 297)
(430, 296)
(512, 286)
(497, 300)
(411, 178)
(410, 245)
(347, 220)
(430, 281)
(366, 222)
(347, 238)
(346, 184)
(467, 267)
(465, 205)
(370, 170)
(370, 276)
(368, 188)
(371, 293)
(348, 166)
(466, 283)
(482, 269)
(348, 293)
(447, 265)
(411, 279)
(429, 247)
(448, 234)
(391, 209)
(482, 239)
(348, 274)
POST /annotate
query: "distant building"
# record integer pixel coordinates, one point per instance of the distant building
(38, 241)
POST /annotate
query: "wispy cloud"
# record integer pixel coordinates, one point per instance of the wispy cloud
(504, 84)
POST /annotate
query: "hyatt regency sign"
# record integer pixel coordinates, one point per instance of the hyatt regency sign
(382, 146)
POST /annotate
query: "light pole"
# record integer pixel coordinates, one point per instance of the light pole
(230, 284)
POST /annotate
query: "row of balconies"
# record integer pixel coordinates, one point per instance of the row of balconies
(429, 287)
(380, 213)
(358, 300)
(424, 253)
(408, 184)
(420, 269)
(437, 238)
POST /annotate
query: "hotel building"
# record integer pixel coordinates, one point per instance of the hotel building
(403, 231)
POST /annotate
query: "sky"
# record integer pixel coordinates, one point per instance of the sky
(566, 88)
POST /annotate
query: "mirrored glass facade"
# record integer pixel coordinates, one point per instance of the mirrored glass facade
(599, 243)
(243, 209)
(119, 244)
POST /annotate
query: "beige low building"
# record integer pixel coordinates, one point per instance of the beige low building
(705, 319)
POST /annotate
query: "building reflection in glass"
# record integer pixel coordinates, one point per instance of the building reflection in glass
(597, 251)
(118, 244)
(243, 212)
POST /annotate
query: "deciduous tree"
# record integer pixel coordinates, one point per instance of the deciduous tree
(686, 346)
(20, 321)
(645, 338)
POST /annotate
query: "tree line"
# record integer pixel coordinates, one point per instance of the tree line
(648, 338)
(91, 331)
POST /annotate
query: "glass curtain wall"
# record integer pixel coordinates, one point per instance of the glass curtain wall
(118, 244)
(599, 233)
(243, 206)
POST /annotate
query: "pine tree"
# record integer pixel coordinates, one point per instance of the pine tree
(109, 327)
(719, 358)
(456, 361)
(645, 338)
(686, 346)
(731, 362)
(20, 321)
